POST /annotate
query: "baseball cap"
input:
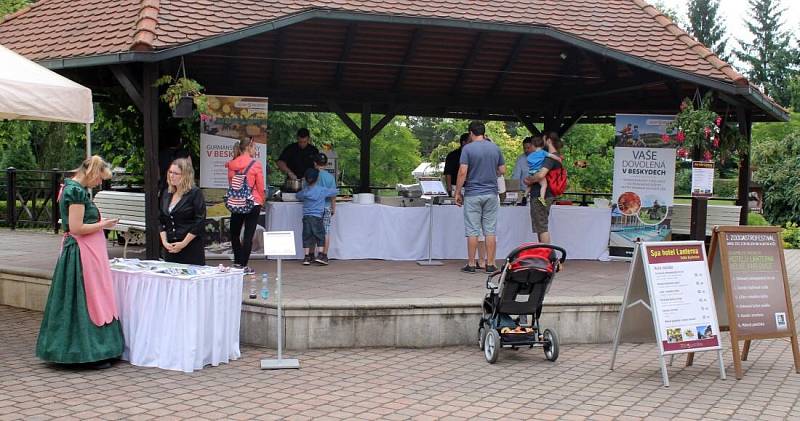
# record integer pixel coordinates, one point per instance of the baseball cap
(321, 159)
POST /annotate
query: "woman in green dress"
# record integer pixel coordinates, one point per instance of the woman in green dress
(80, 324)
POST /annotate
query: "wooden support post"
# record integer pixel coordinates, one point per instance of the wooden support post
(745, 119)
(11, 198)
(151, 172)
(366, 142)
(55, 184)
(697, 227)
(528, 122)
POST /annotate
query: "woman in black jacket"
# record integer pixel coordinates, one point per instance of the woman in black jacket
(182, 214)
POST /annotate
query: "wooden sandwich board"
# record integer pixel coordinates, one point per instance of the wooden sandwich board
(748, 273)
(669, 298)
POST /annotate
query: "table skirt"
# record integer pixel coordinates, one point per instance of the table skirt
(179, 324)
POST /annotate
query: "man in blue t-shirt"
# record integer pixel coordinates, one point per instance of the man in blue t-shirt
(480, 164)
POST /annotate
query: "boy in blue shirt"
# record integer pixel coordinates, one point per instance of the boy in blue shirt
(313, 196)
(535, 161)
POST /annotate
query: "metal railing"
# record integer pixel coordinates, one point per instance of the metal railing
(31, 198)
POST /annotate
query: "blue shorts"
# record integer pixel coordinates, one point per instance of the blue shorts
(326, 220)
(480, 214)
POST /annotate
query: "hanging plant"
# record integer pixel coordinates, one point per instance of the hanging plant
(698, 129)
(181, 93)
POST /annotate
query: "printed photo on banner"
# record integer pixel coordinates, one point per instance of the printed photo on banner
(229, 119)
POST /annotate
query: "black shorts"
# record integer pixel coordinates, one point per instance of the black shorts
(313, 231)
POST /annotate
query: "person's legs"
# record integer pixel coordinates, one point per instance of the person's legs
(481, 262)
(319, 235)
(309, 243)
(236, 229)
(491, 206)
(250, 222)
(543, 191)
(326, 222)
(472, 245)
(540, 214)
(472, 222)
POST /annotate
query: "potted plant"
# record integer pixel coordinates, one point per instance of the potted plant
(181, 94)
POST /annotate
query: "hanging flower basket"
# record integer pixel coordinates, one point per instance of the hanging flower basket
(181, 94)
(697, 129)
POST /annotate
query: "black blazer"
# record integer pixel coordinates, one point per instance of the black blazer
(188, 215)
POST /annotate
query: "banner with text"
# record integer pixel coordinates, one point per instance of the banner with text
(644, 180)
(682, 298)
(228, 120)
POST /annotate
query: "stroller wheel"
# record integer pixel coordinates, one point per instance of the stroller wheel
(491, 347)
(551, 345)
(481, 336)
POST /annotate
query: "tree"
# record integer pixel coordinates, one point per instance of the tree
(706, 27)
(15, 146)
(10, 6)
(668, 12)
(772, 61)
(594, 145)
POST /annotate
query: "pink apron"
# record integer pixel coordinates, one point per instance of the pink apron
(97, 278)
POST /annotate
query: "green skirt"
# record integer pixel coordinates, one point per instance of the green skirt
(67, 334)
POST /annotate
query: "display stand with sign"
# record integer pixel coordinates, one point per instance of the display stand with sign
(431, 187)
(279, 244)
(748, 274)
(702, 178)
(669, 285)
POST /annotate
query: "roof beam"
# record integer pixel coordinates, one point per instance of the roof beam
(131, 86)
(477, 44)
(346, 48)
(497, 86)
(410, 52)
(277, 48)
(337, 109)
(527, 122)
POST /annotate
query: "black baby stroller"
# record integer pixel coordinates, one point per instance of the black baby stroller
(524, 280)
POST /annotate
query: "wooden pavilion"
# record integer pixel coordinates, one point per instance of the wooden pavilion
(535, 61)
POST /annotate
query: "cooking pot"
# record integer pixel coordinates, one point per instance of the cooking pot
(292, 186)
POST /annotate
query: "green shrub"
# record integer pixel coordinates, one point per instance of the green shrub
(756, 219)
(725, 187)
(791, 236)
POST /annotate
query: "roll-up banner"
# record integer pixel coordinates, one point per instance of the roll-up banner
(644, 181)
(228, 120)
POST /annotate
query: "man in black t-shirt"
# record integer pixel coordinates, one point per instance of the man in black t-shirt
(299, 156)
(451, 164)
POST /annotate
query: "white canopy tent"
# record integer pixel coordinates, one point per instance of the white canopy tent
(29, 91)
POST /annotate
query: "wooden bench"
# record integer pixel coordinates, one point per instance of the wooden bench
(717, 215)
(129, 209)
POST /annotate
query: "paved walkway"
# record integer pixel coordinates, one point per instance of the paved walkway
(397, 384)
(350, 279)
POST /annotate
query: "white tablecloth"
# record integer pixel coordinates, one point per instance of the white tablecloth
(395, 233)
(179, 324)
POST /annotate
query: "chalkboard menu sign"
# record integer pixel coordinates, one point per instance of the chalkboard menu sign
(748, 275)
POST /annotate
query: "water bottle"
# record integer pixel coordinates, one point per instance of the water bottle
(264, 286)
(253, 289)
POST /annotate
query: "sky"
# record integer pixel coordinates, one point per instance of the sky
(735, 12)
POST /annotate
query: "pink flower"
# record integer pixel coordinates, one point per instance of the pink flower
(707, 131)
(716, 142)
(684, 105)
(718, 121)
(204, 117)
(681, 137)
(682, 153)
(707, 155)
(665, 138)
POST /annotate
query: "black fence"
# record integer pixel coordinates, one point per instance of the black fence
(29, 198)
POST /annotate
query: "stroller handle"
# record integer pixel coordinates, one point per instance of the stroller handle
(520, 249)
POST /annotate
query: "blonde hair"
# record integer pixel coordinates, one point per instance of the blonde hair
(241, 146)
(187, 175)
(94, 166)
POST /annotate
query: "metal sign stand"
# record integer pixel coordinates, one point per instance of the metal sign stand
(281, 244)
(430, 262)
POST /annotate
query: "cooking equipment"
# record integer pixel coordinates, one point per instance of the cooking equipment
(292, 185)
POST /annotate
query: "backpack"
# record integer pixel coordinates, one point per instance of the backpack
(239, 197)
(557, 181)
